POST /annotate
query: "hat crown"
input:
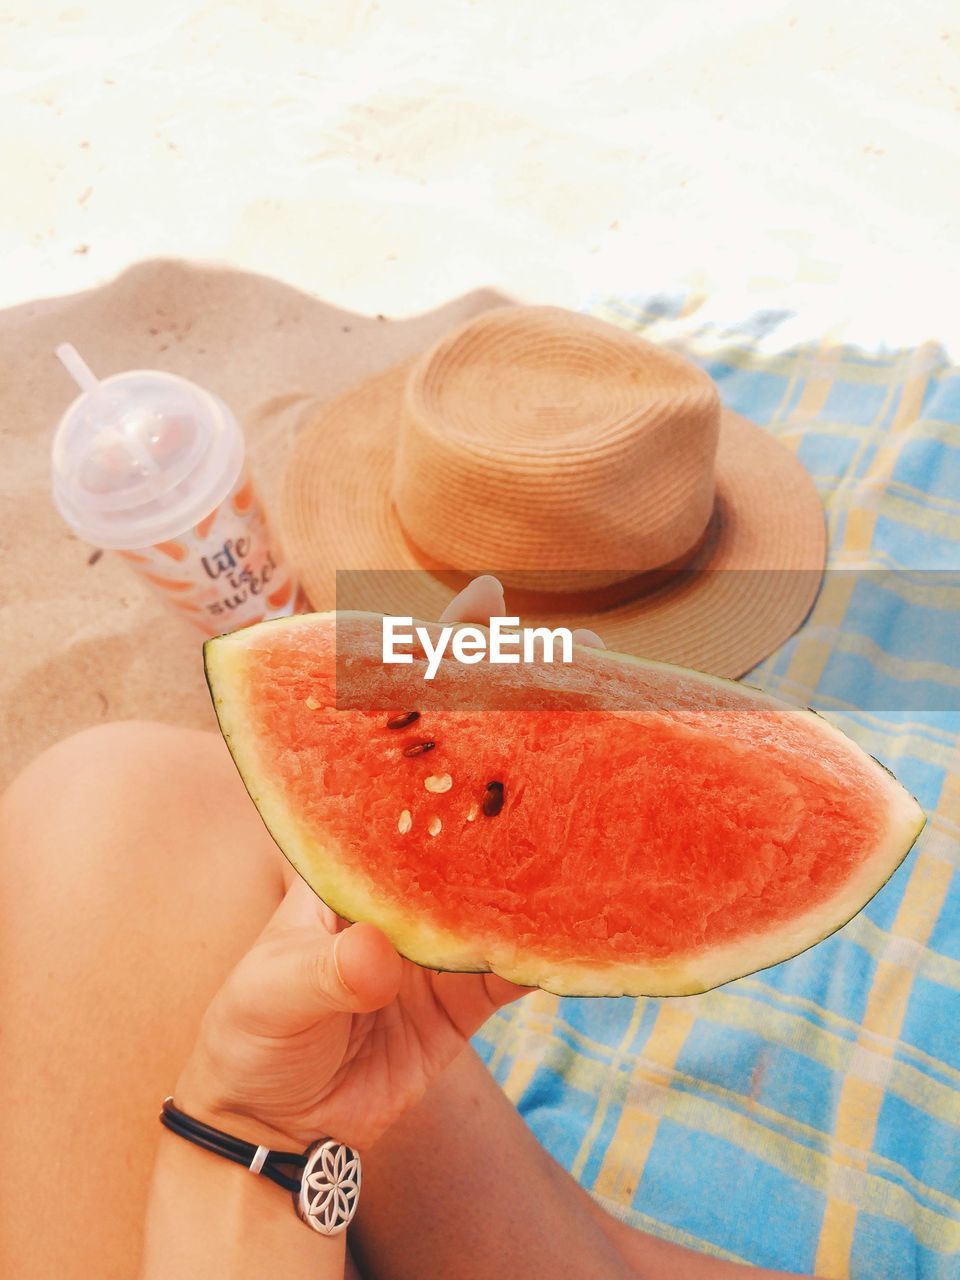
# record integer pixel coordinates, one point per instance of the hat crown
(537, 439)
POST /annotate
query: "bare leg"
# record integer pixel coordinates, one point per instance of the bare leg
(132, 880)
(134, 872)
(461, 1190)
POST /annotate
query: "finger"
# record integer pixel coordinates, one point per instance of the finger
(479, 601)
(302, 906)
(299, 906)
(367, 965)
(470, 998)
(583, 635)
(331, 920)
(299, 977)
(500, 992)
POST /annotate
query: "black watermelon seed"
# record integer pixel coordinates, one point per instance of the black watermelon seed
(493, 799)
(418, 748)
(403, 719)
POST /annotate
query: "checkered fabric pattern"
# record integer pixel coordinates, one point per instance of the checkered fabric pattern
(807, 1117)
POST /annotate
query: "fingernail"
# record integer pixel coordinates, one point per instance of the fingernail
(336, 962)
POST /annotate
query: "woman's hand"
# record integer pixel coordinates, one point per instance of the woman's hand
(323, 1030)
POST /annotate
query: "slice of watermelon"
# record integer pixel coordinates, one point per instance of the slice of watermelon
(609, 827)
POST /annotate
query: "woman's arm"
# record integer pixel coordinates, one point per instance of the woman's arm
(319, 1032)
(208, 1217)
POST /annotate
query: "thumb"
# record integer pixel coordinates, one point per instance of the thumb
(300, 975)
(367, 968)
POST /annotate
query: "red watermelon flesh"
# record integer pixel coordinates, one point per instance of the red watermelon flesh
(660, 832)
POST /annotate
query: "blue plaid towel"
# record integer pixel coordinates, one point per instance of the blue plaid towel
(808, 1117)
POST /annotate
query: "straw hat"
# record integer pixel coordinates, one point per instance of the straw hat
(595, 474)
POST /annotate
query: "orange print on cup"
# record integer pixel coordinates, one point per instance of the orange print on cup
(134, 556)
(175, 550)
(168, 584)
(243, 498)
(277, 599)
(205, 525)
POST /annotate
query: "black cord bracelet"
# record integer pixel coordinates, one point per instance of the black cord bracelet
(235, 1149)
(324, 1180)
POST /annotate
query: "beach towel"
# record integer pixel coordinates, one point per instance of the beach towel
(806, 1117)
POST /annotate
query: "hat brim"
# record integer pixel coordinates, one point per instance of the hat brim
(750, 587)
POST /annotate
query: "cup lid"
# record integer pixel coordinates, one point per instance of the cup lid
(141, 456)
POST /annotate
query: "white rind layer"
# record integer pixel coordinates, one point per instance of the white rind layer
(436, 947)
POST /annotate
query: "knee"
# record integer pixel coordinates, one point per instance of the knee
(108, 761)
(109, 788)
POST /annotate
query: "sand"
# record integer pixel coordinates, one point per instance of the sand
(85, 641)
(386, 159)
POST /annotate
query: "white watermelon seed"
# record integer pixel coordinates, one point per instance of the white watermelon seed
(313, 704)
(472, 813)
(434, 826)
(405, 822)
(438, 783)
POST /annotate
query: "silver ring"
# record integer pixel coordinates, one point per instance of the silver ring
(330, 1187)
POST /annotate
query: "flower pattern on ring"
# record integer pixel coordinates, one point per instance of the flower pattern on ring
(331, 1186)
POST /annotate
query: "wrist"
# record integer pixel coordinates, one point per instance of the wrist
(324, 1179)
(208, 1217)
(201, 1095)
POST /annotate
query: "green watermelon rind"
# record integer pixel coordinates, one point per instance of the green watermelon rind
(437, 948)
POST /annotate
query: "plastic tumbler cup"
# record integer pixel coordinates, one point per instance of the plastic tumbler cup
(152, 466)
